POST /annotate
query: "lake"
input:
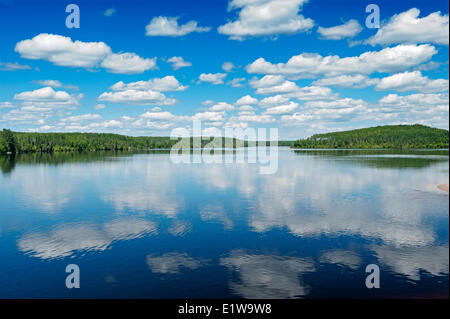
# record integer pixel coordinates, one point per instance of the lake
(141, 226)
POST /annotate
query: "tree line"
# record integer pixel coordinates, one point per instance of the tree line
(20, 142)
(388, 137)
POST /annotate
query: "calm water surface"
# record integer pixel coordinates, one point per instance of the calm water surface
(138, 225)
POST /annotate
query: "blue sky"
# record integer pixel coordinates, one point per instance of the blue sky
(147, 67)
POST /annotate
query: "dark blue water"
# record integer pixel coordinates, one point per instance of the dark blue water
(138, 225)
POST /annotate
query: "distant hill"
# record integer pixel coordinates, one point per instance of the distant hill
(389, 136)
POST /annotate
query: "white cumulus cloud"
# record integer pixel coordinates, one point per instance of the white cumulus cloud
(346, 30)
(412, 81)
(393, 59)
(265, 18)
(137, 97)
(209, 116)
(128, 63)
(178, 62)
(347, 81)
(214, 78)
(407, 27)
(440, 100)
(282, 109)
(62, 51)
(273, 100)
(247, 100)
(168, 26)
(46, 94)
(221, 106)
(165, 84)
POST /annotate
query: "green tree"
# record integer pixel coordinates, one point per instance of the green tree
(8, 142)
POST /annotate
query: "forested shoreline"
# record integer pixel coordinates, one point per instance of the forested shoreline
(20, 142)
(381, 137)
(384, 137)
